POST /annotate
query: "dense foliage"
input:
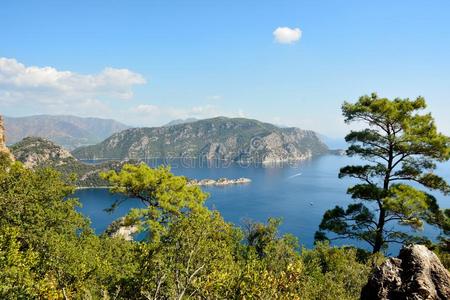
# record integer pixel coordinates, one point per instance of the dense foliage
(47, 249)
(402, 147)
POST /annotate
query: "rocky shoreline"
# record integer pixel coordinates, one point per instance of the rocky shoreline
(219, 182)
(199, 182)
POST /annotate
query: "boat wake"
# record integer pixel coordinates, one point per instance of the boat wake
(295, 175)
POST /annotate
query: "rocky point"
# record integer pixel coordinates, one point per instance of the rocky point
(3, 148)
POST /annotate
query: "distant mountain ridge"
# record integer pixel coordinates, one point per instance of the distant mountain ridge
(232, 139)
(65, 130)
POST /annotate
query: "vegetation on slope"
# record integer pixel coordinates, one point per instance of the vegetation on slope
(36, 152)
(48, 250)
(236, 139)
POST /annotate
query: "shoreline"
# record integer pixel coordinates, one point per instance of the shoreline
(91, 187)
(209, 160)
(219, 182)
(196, 182)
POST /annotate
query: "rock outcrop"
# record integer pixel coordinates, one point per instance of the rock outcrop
(120, 228)
(219, 182)
(3, 148)
(416, 274)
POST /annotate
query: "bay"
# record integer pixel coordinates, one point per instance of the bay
(298, 193)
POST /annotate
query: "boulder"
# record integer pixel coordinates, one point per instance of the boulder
(121, 228)
(416, 274)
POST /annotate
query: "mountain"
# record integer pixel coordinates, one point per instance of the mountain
(36, 152)
(181, 121)
(67, 131)
(231, 139)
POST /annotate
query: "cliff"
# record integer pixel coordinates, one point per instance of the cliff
(3, 148)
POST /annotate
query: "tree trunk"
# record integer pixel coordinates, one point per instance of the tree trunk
(379, 235)
(379, 240)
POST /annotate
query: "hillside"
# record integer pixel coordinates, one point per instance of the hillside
(233, 139)
(40, 153)
(67, 131)
(34, 152)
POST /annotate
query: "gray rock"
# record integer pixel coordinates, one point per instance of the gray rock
(3, 148)
(121, 229)
(416, 274)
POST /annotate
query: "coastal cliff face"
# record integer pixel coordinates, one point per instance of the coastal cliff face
(3, 148)
(230, 139)
(416, 274)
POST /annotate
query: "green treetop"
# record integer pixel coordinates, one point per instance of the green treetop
(166, 196)
(402, 147)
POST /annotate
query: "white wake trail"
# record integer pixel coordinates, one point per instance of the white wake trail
(295, 175)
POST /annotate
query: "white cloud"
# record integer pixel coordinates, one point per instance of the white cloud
(286, 35)
(26, 90)
(63, 91)
(148, 109)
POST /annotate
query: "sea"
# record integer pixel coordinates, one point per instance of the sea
(299, 193)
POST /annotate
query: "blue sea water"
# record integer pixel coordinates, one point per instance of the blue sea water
(298, 193)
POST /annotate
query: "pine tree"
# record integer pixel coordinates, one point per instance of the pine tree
(402, 148)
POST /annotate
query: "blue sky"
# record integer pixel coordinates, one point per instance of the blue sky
(148, 62)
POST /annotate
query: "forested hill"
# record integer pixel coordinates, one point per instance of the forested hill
(233, 139)
(39, 153)
(67, 131)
